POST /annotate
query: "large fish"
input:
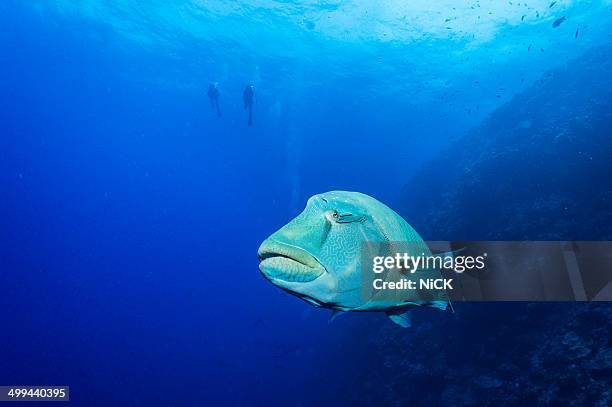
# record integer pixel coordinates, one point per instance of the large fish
(318, 256)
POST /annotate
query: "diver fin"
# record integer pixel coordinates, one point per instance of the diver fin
(334, 314)
(400, 316)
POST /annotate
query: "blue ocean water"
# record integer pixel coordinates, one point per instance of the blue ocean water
(132, 214)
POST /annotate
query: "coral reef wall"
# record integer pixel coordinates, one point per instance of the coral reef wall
(538, 168)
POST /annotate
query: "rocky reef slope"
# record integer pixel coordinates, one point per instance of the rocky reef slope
(538, 168)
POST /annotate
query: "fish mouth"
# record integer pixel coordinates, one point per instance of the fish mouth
(282, 261)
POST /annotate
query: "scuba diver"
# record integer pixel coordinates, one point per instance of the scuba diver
(213, 95)
(249, 96)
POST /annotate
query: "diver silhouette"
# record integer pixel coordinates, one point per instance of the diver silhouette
(213, 95)
(249, 96)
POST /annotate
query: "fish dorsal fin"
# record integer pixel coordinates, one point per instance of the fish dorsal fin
(400, 316)
(334, 314)
(450, 253)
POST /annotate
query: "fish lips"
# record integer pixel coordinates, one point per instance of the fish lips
(287, 263)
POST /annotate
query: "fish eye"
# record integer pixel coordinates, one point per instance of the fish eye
(332, 215)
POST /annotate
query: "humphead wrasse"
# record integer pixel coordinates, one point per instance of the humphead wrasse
(318, 255)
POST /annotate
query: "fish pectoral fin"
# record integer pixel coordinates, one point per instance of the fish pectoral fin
(334, 314)
(400, 316)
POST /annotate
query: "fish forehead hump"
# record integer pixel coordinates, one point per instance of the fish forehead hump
(390, 224)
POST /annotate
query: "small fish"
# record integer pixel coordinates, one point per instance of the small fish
(576, 35)
(529, 48)
(559, 21)
(523, 18)
(552, 4)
